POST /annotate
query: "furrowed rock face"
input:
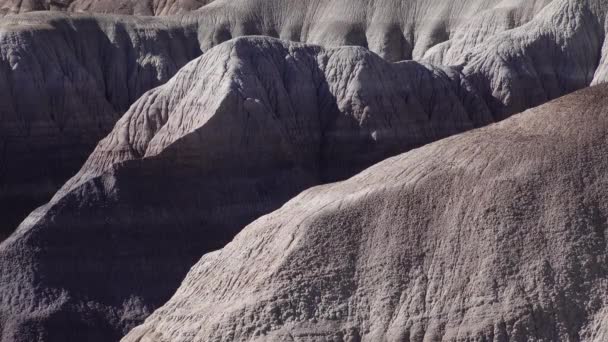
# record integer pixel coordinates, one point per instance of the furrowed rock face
(237, 132)
(232, 136)
(524, 52)
(498, 234)
(554, 49)
(396, 30)
(519, 54)
(554, 54)
(64, 81)
(133, 7)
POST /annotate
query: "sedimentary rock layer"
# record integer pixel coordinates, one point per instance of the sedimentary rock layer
(394, 29)
(132, 7)
(522, 53)
(235, 133)
(64, 81)
(85, 71)
(498, 234)
(232, 136)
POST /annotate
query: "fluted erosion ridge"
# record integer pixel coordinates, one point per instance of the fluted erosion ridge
(86, 71)
(133, 7)
(521, 53)
(396, 30)
(232, 136)
(64, 81)
(498, 234)
(237, 132)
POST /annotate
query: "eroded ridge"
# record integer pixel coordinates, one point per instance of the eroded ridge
(497, 234)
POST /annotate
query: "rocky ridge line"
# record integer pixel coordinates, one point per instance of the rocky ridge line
(498, 234)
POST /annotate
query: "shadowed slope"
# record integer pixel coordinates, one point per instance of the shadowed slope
(237, 133)
(232, 136)
(556, 51)
(498, 234)
(64, 81)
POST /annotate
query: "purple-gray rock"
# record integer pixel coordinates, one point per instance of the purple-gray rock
(64, 81)
(498, 234)
(239, 131)
(85, 71)
(232, 136)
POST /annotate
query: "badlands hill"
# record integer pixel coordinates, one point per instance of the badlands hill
(87, 70)
(498, 234)
(64, 81)
(232, 136)
(237, 132)
(518, 54)
(396, 30)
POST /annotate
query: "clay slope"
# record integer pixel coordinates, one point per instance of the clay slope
(232, 136)
(132, 7)
(555, 49)
(522, 53)
(64, 81)
(498, 234)
(236, 134)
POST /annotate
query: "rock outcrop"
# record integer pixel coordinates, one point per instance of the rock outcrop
(64, 81)
(232, 136)
(84, 85)
(396, 30)
(523, 53)
(498, 234)
(238, 131)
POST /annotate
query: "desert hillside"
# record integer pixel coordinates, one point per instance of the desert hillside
(382, 170)
(498, 234)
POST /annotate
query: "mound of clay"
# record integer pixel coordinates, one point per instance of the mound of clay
(237, 132)
(516, 56)
(232, 136)
(394, 29)
(520, 54)
(498, 234)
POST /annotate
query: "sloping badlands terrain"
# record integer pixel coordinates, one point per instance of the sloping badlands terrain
(64, 81)
(496, 234)
(232, 136)
(105, 63)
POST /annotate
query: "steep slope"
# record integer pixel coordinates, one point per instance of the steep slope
(64, 81)
(394, 29)
(133, 7)
(556, 53)
(237, 133)
(555, 49)
(232, 136)
(519, 53)
(498, 234)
